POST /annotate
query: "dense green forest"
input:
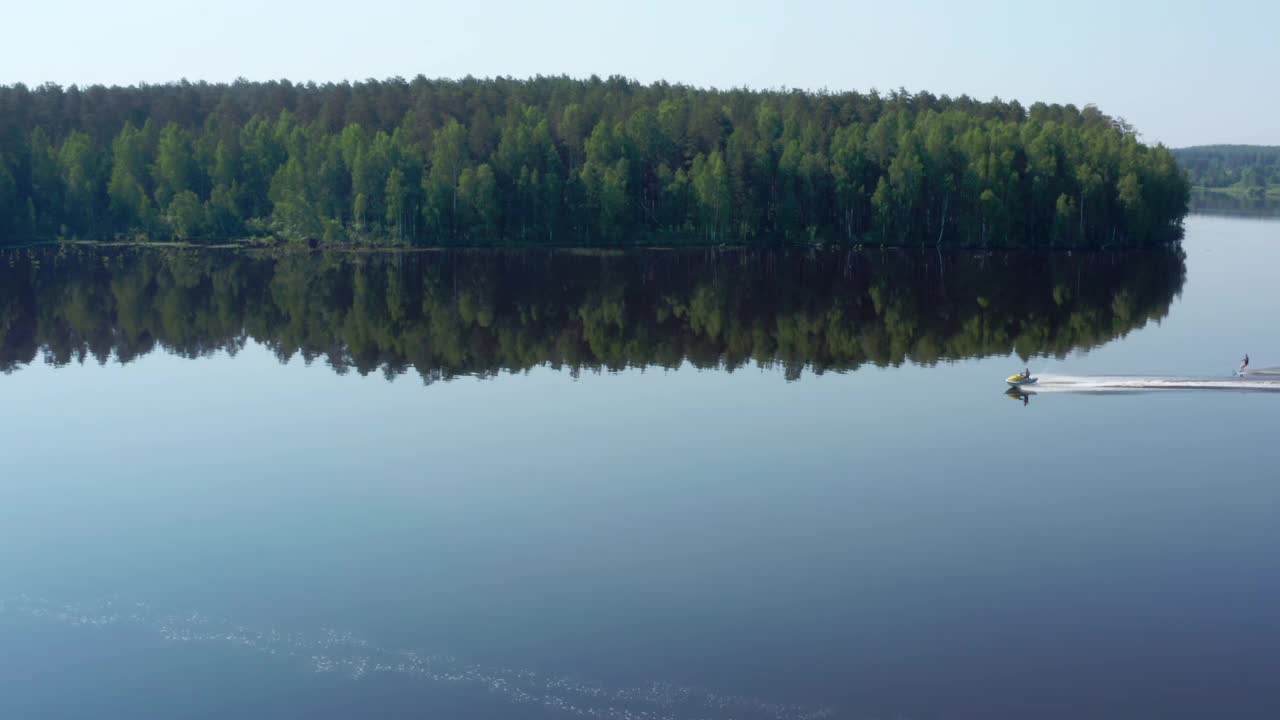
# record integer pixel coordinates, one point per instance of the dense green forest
(563, 161)
(1249, 168)
(454, 312)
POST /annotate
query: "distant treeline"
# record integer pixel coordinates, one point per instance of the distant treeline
(1247, 167)
(479, 312)
(564, 161)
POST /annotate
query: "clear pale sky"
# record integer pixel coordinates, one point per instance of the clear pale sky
(1182, 72)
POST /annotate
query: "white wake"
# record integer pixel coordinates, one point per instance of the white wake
(1252, 381)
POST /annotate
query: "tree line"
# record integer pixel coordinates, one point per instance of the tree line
(1246, 167)
(563, 161)
(481, 312)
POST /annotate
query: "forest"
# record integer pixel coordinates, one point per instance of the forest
(1252, 169)
(561, 161)
(480, 312)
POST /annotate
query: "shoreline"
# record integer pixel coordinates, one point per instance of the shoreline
(258, 245)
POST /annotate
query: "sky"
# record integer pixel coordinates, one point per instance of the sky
(1182, 72)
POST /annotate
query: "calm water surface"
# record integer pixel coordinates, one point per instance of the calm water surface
(673, 486)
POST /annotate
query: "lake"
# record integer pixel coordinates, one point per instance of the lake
(708, 483)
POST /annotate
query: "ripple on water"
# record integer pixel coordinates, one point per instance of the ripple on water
(331, 651)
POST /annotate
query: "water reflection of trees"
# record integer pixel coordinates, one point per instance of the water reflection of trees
(481, 312)
(1208, 202)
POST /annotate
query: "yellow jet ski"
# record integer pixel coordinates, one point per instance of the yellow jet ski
(1020, 380)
